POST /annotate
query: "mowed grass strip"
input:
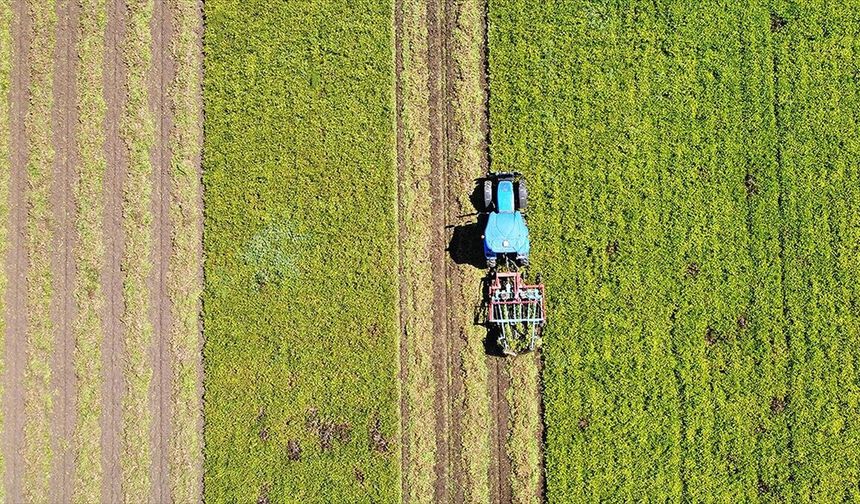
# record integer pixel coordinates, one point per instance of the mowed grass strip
(467, 164)
(38, 399)
(300, 253)
(817, 85)
(138, 133)
(419, 389)
(185, 280)
(90, 253)
(5, 170)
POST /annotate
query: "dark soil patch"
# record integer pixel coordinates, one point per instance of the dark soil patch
(778, 404)
(712, 336)
(743, 322)
(264, 434)
(264, 495)
(693, 270)
(777, 22)
(612, 249)
(763, 488)
(378, 442)
(327, 431)
(751, 184)
(294, 450)
(359, 475)
(583, 423)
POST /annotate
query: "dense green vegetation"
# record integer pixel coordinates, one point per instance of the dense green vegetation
(300, 297)
(693, 176)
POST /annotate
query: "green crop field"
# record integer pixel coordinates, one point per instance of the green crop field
(300, 298)
(694, 185)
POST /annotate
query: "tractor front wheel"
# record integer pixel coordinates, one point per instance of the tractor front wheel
(488, 195)
(522, 195)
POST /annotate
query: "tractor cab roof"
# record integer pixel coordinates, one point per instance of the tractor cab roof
(505, 196)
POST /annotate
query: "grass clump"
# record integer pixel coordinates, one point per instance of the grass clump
(138, 132)
(38, 400)
(185, 279)
(90, 253)
(300, 132)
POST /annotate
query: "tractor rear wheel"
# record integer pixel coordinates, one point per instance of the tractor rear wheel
(488, 195)
(522, 195)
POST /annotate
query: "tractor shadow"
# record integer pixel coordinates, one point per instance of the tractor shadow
(466, 247)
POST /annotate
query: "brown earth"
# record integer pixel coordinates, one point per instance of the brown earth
(63, 310)
(113, 351)
(161, 76)
(438, 258)
(16, 266)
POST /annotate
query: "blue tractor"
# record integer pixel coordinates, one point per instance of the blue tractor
(506, 236)
(516, 309)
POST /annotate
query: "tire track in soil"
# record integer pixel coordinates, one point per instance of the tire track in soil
(64, 120)
(16, 265)
(437, 97)
(500, 381)
(117, 163)
(161, 75)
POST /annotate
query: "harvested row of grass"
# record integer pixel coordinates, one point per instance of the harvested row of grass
(467, 162)
(185, 280)
(138, 133)
(419, 387)
(38, 400)
(638, 128)
(300, 253)
(5, 170)
(818, 95)
(524, 441)
(90, 253)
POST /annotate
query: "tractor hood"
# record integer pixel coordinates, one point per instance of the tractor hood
(506, 233)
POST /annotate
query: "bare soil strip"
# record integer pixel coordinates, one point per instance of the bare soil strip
(64, 125)
(500, 382)
(160, 76)
(113, 350)
(5, 168)
(437, 94)
(16, 262)
(186, 263)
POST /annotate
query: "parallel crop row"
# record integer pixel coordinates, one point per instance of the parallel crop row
(38, 402)
(138, 132)
(693, 190)
(300, 293)
(90, 253)
(186, 215)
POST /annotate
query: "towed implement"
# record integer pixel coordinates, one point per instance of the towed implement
(516, 310)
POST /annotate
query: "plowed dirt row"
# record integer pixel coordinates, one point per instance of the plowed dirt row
(64, 116)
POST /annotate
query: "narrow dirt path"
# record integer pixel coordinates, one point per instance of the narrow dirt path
(161, 75)
(117, 162)
(438, 257)
(64, 125)
(16, 266)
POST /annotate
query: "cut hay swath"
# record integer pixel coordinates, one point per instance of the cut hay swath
(90, 253)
